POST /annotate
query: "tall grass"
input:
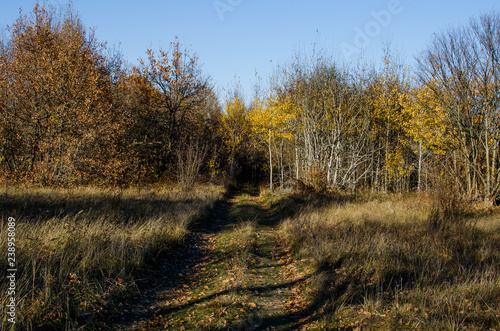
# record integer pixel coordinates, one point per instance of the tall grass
(399, 262)
(80, 249)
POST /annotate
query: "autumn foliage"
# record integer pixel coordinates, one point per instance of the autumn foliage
(93, 138)
(55, 99)
(72, 112)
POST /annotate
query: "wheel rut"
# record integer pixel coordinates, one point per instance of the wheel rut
(235, 273)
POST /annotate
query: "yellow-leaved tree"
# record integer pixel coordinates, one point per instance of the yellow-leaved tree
(388, 92)
(234, 128)
(273, 122)
(425, 124)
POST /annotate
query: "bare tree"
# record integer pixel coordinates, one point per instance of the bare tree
(462, 69)
(190, 160)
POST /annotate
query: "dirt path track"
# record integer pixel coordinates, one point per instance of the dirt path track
(235, 273)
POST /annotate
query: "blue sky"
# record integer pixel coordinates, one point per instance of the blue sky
(236, 38)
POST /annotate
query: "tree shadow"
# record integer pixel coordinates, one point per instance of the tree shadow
(170, 267)
(37, 207)
(240, 289)
(171, 270)
(176, 269)
(294, 320)
(289, 205)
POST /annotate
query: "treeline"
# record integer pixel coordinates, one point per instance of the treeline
(391, 129)
(71, 112)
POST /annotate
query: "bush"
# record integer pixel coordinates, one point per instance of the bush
(449, 209)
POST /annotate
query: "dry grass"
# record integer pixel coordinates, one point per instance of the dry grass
(80, 249)
(401, 262)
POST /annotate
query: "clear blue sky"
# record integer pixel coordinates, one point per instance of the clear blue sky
(236, 38)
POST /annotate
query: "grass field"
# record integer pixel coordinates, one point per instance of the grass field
(400, 262)
(80, 250)
(341, 261)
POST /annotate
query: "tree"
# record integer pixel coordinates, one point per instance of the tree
(141, 143)
(425, 126)
(388, 93)
(273, 121)
(54, 97)
(235, 129)
(462, 70)
(176, 92)
(331, 123)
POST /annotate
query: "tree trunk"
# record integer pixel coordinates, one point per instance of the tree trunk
(487, 189)
(270, 163)
(296, 162)
(282, 177)
(419, 185)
